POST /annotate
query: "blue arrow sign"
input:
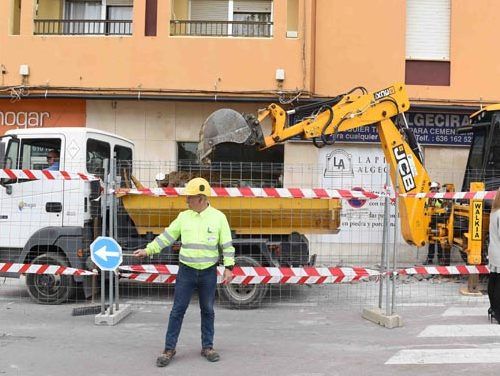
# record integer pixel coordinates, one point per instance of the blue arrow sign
(106, 253)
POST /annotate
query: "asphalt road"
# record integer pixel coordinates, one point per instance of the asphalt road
(284, 337)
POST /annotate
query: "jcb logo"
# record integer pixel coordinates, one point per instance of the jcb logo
(404, 168)
(384, 93)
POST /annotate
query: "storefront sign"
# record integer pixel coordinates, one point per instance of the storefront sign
(35, 113)
(429, 128)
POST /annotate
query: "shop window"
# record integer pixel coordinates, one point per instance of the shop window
(235, 165)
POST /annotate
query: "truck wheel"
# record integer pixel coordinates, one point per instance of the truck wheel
(243, 296)
(47, 288)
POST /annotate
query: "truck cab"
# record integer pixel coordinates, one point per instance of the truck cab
(45, 221)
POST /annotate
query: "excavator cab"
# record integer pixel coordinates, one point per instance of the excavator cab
(483, 164)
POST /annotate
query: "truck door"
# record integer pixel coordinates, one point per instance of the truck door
(29, 205)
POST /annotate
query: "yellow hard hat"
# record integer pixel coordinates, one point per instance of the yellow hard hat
(197, 186)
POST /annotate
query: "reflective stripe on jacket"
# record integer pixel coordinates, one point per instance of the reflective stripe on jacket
(201, 235)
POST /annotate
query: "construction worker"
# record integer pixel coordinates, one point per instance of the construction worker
(437, 204)
(202, 229)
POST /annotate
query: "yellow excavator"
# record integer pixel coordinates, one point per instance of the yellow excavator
(357, 108)
(465, 224)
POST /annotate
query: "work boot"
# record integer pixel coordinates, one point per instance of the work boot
(210, 354)
(428, 262)
(165, 357)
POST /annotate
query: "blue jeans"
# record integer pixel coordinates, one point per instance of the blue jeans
(189, 279)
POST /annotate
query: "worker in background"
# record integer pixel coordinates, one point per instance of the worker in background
(437, 204)
(494, 260)
(202, 229)
(53, 160)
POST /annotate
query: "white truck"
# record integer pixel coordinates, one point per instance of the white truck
(52, 221)
(55, 221)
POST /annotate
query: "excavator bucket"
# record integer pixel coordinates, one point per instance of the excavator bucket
(226, 125)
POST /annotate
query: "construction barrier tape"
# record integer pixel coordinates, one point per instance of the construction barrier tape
(312, 193)
(44, 175)
(260, 192)
(9, 267)
(315, 193)
(247, 275)
(479, 195)
(445, 270)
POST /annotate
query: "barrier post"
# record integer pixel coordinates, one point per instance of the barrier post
(378, 315)
(104, 205)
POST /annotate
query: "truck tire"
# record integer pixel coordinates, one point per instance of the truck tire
(243, 296)
(47, 288)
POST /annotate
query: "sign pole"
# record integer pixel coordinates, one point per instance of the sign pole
(104, 205)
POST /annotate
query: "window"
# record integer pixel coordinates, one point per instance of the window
(97, 152)
(235, 165)
(123, 157)
(12, 155)
(252, 17)
(292, 18)
(474, 170)
(243, 18)
(34, 153)
(428, 42)
(15, 17)
(119, 13)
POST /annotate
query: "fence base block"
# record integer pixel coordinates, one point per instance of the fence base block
(378, 316)
(115, 318)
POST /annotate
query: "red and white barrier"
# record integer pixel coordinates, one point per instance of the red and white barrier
(44, 175)
(248, 275)
(313, 193)
(254, 275)
(445, 270)
(479, 195)
(9, 267)
(260, 192)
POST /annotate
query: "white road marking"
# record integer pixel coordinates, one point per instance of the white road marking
(466, 311)
(446, 356)
(486, 330)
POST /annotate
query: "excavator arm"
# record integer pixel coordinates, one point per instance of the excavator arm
(322, 124)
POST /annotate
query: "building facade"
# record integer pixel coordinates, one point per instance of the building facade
(153, 70)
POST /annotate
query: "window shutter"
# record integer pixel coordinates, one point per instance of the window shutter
(209, 10)
(252, 6)
(120, 2)
(428, 29)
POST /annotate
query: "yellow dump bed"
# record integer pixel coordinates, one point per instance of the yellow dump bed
(246, 215)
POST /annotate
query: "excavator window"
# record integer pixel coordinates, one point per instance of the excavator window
(474, 170)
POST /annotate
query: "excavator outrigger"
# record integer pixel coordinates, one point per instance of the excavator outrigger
(324, 120)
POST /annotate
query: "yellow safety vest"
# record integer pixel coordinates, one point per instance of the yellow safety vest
(201, 234)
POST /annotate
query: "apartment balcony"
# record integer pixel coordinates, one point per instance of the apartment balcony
(251, 29)
(82, 27)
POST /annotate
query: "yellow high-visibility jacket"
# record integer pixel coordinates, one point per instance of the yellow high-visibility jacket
(201, 234)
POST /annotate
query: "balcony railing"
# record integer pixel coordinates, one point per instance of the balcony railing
(221, 28)
(83, 27)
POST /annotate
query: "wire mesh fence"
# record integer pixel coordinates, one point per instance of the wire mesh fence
(55, 221)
